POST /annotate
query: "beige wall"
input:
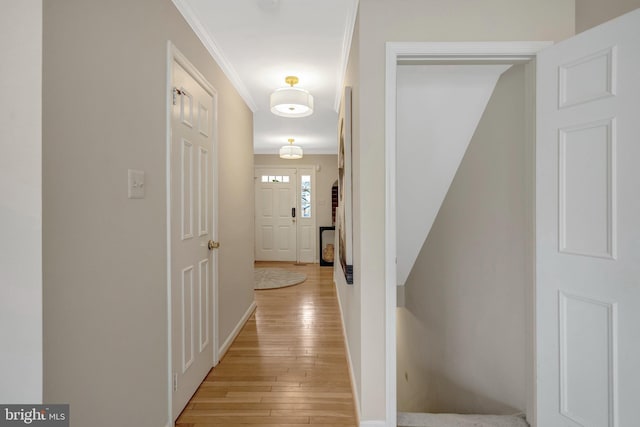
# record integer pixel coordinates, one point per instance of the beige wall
(410, 20)
(21, 202)
(590, 13)
(325, 178)
(349, 295)
(462, 335)
(236, 214)
(104, 103)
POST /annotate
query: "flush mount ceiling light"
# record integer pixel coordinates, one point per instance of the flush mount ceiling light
(290, 152)
(291, 101)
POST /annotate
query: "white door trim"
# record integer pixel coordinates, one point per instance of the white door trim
(314, 215)
(424, 53)
(173, 54)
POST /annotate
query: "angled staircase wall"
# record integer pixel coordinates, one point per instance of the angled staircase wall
(438, 110)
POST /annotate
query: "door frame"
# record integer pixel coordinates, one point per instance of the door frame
(314, 215)
(174, 55)
(405, 53)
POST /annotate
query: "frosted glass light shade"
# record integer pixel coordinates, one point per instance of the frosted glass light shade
(290, 152)
(291, 102)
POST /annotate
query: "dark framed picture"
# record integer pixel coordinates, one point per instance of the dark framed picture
(344, 215)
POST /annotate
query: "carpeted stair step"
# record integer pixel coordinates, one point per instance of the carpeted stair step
(415, 419)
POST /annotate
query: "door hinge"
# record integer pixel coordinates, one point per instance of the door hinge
(175, 382)
(175, 93)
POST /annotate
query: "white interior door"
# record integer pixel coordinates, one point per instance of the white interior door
(275, 203)
(588, 228)
(192, 229)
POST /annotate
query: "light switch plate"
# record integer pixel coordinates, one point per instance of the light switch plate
(136, 184)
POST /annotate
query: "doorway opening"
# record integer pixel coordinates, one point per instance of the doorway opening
(463, 333)
(404, 63)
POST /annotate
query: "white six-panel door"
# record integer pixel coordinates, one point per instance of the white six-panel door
(275, 199)
(588, 228)
(192, 227)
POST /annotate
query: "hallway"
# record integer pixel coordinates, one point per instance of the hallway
(287, 366)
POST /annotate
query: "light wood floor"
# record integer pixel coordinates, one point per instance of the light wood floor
(287, 366)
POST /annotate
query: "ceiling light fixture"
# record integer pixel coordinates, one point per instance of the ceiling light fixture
(290, 152)
(291, 101)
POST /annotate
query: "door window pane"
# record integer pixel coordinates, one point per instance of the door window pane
(275, 179)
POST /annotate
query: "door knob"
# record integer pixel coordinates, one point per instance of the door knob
(213, 245)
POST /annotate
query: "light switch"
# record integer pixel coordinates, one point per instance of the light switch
(136, 184)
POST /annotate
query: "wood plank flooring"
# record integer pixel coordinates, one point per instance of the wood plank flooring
(288, 365)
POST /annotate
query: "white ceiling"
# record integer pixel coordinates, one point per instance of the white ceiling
(260, 42)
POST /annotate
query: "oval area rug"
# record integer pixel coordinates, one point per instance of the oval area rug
(272, 278)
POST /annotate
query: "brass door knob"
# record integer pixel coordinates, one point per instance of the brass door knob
(213, 245)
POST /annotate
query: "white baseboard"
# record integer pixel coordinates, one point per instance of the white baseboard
(354, 388)
(232, 336)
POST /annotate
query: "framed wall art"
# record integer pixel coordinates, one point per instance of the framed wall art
(344, 214)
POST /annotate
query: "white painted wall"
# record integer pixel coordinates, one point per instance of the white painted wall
(380, 21)
(438, 109)
(590, 13)
(462, 336)
(325, 178)
(105, 297)
(21, 202)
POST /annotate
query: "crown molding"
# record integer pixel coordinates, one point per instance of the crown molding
(508, 52)
(214, 50)
(352, 13)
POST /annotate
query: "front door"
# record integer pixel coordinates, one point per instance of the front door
(192, 228)
(276, 215)
(588, 228)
